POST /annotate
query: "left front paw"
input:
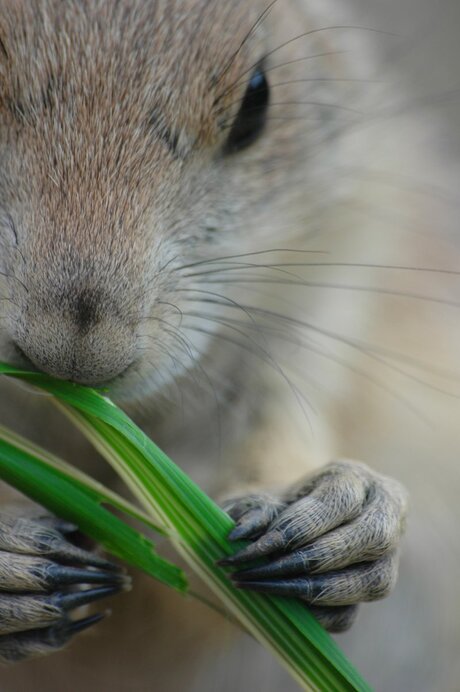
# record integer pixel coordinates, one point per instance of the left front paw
(332, 541)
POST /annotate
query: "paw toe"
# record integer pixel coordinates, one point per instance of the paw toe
(39, 642)
(363, 582)
(42, 575)
(252, 514)
(335, 620)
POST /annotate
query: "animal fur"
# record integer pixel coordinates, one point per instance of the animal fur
(111, 117)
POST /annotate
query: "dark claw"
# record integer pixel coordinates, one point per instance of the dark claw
(268, 543)
(253, 522)
(249, 525)
(288, 565)
(76, 626)
(297, 588)
(64, 527)
(36, 642)
(68, 601)
(69, 553)
(60, 575)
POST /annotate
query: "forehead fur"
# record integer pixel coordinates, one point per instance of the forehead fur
(93, 88)
(142, 58)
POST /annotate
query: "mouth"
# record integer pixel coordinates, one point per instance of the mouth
(20, 360)
(127, 387)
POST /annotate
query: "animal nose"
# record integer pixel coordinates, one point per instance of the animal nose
(84, 361)
(84, 344)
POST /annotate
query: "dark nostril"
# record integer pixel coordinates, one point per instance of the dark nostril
(86, 310)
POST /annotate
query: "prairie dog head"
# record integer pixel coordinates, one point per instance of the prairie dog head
(139, 140)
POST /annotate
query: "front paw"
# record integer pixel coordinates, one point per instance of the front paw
(41, 575)
(332, 541)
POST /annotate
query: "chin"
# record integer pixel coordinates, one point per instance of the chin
(138, 384)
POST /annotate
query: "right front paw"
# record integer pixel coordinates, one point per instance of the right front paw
(41, 575)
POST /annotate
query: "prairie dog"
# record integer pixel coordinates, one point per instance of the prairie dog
(179, 183)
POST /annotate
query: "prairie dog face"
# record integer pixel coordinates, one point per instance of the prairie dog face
(136, 139)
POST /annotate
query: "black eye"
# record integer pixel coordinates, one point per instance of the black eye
(252, 116)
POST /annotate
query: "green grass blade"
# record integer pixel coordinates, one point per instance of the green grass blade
(105, 495)
(81, 504)
(287, 626)
(199, 529)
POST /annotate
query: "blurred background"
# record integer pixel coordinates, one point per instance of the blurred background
(422, 652)
(431, 51)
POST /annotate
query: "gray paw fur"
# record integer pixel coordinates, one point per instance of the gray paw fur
(41, 577)
(331, 541)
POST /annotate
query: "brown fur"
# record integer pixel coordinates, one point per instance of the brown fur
(112, 119)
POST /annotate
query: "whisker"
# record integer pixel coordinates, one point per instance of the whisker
(317, 104)
(270, 68)
(379, 350)
(377, 382)
(12, 276)
(13, 247)
(278, 66)
(356, 345)
(264, 355)
(340, 287)
(4, 299)
(162, 302)
(246, 254)
(163, 348)
(234, 304)
(227, 124)
(385, 115)
(14, 232)
(187, 348)
(165, 266)
(190, 349)
(388, 353)
(224, 299)
(363, 348)
(305, 34)
(230, 62)
(347, 265)
(353, 265)
(338, 361)
(346, 80)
